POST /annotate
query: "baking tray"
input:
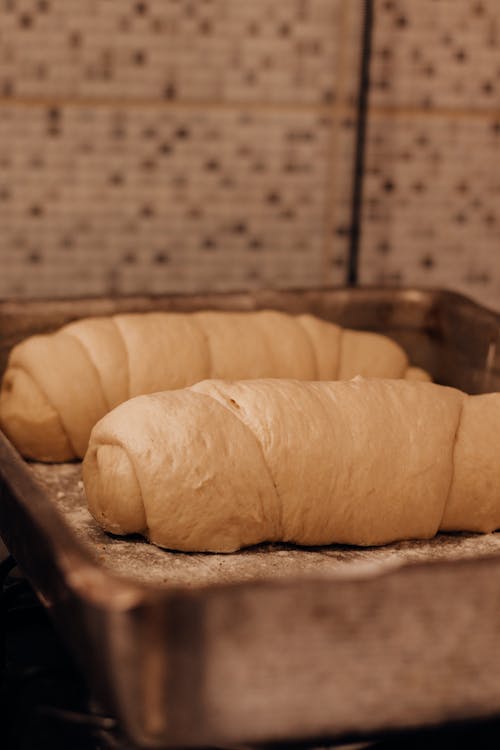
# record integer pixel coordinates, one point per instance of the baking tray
(276, 643)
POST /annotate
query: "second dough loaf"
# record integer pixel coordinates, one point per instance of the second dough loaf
(57, 386)
(223, 465)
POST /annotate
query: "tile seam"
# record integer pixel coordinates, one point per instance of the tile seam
(340, 108)
(103, 103)
(436, 112)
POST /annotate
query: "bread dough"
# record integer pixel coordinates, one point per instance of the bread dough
(222, 465)
(417, 373)
(57, 386)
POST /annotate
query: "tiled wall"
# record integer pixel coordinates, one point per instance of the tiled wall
(174, 144)
(165, 145)
(432, 190)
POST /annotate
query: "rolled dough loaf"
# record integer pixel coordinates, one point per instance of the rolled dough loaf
(223, 465)
(57, 386)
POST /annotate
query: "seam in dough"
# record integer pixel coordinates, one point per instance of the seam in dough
(455, 439)
(199, 324)
(279, 519)
(42, 391)
(127, 356)
(304, 330)
(117, 444)
(339, 358)
(56, 416)
(93, 364)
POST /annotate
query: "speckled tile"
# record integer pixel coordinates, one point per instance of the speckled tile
(96, 201)
(178, 50)
(432, 197)
(436, 54)
(337, 222)
(162, 145)
(350, 54)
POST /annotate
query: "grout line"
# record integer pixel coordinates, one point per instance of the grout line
(450, 112)
(331, 188)
(277, 107)
(157, 103)
(357, 186)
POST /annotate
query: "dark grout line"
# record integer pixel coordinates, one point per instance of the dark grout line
(444, 112)
(158, 103)
(359, 158)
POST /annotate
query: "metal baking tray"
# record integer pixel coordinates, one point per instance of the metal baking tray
(276, 643)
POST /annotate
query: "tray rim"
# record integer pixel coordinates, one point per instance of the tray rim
(24, 306)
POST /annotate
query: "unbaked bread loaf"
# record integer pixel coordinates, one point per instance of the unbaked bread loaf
(57, 386)
(223, 465)
(417, 373)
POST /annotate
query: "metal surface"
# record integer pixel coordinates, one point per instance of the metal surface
(271, 644)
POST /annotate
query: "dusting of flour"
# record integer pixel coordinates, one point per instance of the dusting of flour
(136, 559)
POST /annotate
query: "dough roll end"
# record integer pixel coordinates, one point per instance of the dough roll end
(113, 492)
(182, 470)
(30, 422)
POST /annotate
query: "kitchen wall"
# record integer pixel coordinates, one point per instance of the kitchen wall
(432, 198)
(175, 144)
(207, 144)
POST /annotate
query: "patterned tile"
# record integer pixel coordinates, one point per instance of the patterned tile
(437, 53)
(432, 196)
(97, 200)
(350, 54)
(187, 50)
(338, 217)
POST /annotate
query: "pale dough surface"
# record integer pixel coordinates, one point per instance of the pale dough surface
(223, 465)
(57, 386)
